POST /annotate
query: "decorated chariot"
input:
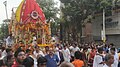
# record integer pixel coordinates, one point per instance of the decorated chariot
(29, 24)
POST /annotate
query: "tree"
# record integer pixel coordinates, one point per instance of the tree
(50, 11)
(75, 12)
(48, 7)
(3, 31)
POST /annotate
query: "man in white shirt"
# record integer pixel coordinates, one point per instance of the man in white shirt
(98, 59)
(9, 41)
(66, 54)
(73, 49)
(109, 60)
(57, 52)
(37, 52)
(116, 58)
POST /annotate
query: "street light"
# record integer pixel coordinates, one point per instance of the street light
(103, 31)
(5, 3)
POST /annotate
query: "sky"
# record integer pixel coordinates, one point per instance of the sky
(10, 4)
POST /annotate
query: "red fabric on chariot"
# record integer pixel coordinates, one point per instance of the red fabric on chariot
(28, 7)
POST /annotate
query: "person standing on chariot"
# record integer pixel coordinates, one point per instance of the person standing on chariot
(34, 41)
(9, 41)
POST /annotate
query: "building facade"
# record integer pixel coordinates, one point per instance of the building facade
(112, 28)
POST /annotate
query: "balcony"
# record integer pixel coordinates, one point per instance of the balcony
(111, 24)
(113, 31)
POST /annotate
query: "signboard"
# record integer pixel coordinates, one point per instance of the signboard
(103, 37)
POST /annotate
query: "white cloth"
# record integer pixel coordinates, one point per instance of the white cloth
(9, 41)
(35, 61)
(81, 50)
(34, 38)
(34, 43)
(105, 65)
(3, 54)
(1, 57)
(57, 52)
(66, 54)
(76, 49)
(71, 50)
(89, 50)
(35, 53)
(116, 58)
(71, 47)
(39, 53)
(97, 60)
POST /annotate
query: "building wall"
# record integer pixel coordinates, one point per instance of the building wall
(114, 39)
(88, 29)
(87, 33)
(112, 33)
(97, 27)
(116, 29)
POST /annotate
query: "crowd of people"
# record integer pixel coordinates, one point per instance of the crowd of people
(61, 55)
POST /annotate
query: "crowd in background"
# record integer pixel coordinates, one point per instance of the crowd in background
(61, 55)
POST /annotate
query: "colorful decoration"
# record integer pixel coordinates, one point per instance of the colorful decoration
(30, 19)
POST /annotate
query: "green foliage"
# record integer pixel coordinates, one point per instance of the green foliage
(75, 12)
(48, 7)
(50, 11)
(1, 34)
(105, 3)
(84, 8)
(3, 31)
